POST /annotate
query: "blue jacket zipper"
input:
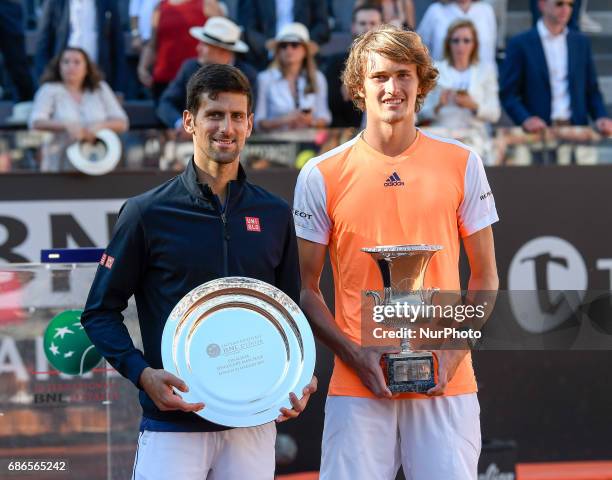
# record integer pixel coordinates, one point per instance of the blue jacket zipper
(226, 235)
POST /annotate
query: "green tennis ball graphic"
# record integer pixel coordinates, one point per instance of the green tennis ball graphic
(303, 157)
(67, 346)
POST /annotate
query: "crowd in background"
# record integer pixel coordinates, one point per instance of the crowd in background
(80, 58)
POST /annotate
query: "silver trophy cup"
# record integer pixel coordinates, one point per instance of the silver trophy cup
(403, 268)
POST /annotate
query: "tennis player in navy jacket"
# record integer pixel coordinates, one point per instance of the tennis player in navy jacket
(207, 223)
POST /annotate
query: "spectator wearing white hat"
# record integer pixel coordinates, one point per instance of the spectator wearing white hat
(75, 104)
(465, 99)
(219, 43)
(292, 92)
(264, 19)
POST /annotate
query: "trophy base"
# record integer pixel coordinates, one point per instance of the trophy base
(409, 372)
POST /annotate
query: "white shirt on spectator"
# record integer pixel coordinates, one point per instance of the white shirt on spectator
(143, 9)
(284, 13)
(480, 82)
(439, 17)
(54, 102)
(451, 120)
(555, 51)
(83, 27)
(274, 98)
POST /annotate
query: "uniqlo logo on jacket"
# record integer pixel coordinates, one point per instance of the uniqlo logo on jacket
(252, 224)
(109, 262)
(103, 260)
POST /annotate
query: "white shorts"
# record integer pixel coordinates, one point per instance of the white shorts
(433, 439)
(239, 453)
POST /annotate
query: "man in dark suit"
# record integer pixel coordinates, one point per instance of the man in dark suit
(219, 43)
(573, 23)
(12, 46)
(549, 78)
(56, 26)
(260, 20)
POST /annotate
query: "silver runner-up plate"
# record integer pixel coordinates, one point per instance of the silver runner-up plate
(241, 345)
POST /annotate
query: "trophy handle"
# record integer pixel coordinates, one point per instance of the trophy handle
(376, 296)
(429, 294)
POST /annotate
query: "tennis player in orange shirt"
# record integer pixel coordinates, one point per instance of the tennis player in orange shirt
(393, 184)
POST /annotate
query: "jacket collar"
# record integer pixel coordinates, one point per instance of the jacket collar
(545, 33)
(202, 190)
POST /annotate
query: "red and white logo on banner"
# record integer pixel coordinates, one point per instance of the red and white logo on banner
(252, 224)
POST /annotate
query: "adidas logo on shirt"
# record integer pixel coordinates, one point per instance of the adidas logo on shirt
(394, 181)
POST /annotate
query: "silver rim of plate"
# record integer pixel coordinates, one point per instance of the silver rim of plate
(241, 345)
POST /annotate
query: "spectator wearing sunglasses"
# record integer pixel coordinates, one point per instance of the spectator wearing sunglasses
(292, 92)
(580, 19)
(573, 21)
(264, 19)
(466, 96)
(439, 16)
(549, 77)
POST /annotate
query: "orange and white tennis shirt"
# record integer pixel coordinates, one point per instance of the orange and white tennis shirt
(354, 196)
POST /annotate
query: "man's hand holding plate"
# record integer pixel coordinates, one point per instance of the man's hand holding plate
(298, 404)
(158, 385)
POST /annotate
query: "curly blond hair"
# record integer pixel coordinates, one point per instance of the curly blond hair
(398, 45)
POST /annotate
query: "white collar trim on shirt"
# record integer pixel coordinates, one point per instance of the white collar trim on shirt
(278, 75)
(546, 33)
(462, 12)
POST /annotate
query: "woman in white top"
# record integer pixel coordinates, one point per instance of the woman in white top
(439, 16)
(73, 103)
(292, 93)
(466, 96)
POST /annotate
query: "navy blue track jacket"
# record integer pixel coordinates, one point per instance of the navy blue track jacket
(170, 240)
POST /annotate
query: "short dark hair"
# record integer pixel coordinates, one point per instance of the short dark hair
(214, 79)
(366, 6)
